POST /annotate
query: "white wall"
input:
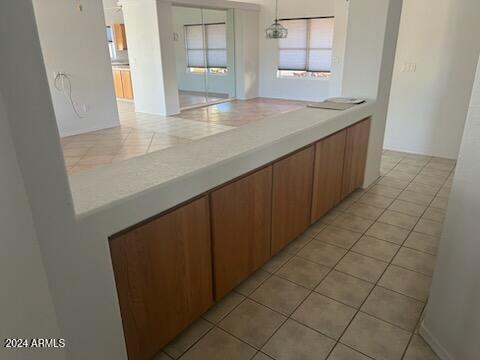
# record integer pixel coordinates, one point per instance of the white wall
(26, 307)
(247, 53)
(215, 83)
(339, 44)
(77, 262)
(428, 107)
(452, 319)
(149, 30)
(75, 250)
(363, 48)
(368, 65)
(285, 88)
(112, 14)
(74, 42)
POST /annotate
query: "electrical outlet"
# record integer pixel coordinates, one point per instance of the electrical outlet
(84, 108)
(409, 67)
(58, 73)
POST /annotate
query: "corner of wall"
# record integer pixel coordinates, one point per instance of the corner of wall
(434, 343)
(247, 53)
(73, 41)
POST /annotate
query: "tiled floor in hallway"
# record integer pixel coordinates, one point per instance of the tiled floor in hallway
(352, 287)
(141, 133)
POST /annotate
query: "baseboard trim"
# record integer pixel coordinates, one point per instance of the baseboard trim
(434, 343)
(413, 152)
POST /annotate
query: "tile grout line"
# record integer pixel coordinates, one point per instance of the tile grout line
(295, 309)
(323, 278)
(414, 330)
(300, 304)
(312, 291)
(287, 317)
(426, 300)
(379, 278)
(363, 302)
(400, 246)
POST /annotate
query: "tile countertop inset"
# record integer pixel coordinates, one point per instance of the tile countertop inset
(169, 177)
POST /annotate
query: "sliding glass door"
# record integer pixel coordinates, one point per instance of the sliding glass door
(204, 50)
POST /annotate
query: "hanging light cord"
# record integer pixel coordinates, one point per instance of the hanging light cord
(63, 84)
(276, 10)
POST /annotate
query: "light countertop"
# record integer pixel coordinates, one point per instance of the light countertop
(120, 66)
(158, 181)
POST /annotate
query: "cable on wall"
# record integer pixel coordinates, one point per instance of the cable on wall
(63, 84)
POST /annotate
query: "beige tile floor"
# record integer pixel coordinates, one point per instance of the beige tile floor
(140, 133)
(352, 287)
(239, 113)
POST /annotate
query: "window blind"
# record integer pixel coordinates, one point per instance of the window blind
(216, 45)
(206, 45)
(308, 46)
(293, 54)
(195, 46)
(321, 44)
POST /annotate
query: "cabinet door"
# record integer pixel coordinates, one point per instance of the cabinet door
(292, 197)
(117, 82)
(120, 36)
(164, 278)
(127, 84)
(327, 183)
(356, 149)
(241, 222)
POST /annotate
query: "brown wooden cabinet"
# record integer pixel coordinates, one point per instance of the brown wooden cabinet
(122, 82)
(292, 197)
(241, 223)
(328, 175)
(170, 269)
(163, 273)
(127, 84)
(120, 36)
(117, 83)
(356, 148)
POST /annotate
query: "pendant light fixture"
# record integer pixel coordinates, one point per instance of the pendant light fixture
(276, 30)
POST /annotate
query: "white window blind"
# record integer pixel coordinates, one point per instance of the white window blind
(308, 46)
(195, 45)
(206, 45)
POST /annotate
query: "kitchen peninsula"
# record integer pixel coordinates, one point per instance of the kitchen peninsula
(186, 225)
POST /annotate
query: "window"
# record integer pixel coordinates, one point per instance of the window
(307, 51)
(206, 47)
(111, 46)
